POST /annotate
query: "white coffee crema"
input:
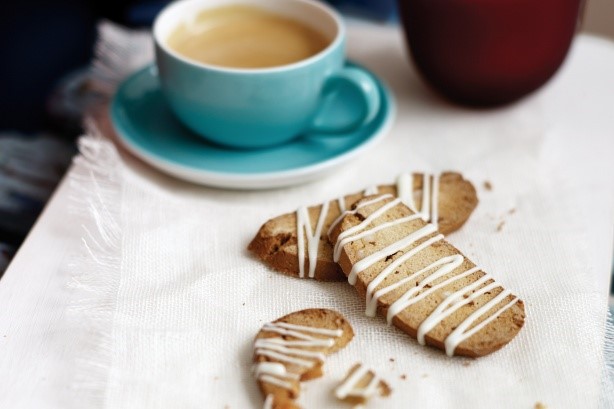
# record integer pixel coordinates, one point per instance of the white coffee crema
(297, 352)
(429, 284)
(405, 192)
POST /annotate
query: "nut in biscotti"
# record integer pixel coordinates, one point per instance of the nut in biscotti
(446, 200)
(422, 284)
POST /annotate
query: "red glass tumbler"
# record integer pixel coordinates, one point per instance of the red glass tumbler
(488, 52)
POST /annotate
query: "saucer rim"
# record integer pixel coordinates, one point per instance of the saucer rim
(253, 181)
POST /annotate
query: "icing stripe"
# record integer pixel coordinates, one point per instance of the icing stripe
(405, 190)
(268, 402)
(446, 265)
(453, 302)
(459, 335)
(275, 381)
(371, 190)
(273, 368)
(295, 334)
(371, 300)
(368, 220)
(341, 203)
(345, 213)
(388, 250)
(312, 330)
(301, 215)
(435, 202)
(314, 343)
(285, 358)
(429, 209)
(403, 303)
(344, 239)
(350, 386)
(263, 344)
(426, 197)
(303, 229)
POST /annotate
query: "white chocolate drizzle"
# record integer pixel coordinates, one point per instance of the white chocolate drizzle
(313, 238)
(427, 281)
(429, 209)
(393, 248)
(297, 352)
(349, 387)
(347, 212)
(371, 190)
(341, 204)
(268, 402)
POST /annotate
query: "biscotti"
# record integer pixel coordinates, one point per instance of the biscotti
(360, 385)
(292, 349)
(422, 284)
(446, 200)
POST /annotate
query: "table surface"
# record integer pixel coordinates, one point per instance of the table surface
(33, 291)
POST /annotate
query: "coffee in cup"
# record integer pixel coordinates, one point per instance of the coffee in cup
(244, 36)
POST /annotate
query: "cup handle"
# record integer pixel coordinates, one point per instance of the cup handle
(363, 105)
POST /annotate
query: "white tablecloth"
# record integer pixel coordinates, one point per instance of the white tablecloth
(560, 139)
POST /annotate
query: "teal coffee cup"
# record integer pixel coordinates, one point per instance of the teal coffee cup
(260, 107)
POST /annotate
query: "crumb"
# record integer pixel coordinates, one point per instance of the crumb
(215, 378)
(403, 377)
(359, 391)
(391, 359)
(540, 405)
(425, 375)
(487, 185)
(512, 210)
(500, 225)
(466, 363)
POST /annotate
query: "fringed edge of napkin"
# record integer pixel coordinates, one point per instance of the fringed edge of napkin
(118, 53)
(607, 393)
(95, 271)
(96, 197)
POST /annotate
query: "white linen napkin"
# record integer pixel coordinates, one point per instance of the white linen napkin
(169, 300)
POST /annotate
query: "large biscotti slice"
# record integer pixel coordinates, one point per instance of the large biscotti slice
(422, 284)
(447, 199)
(292, 349)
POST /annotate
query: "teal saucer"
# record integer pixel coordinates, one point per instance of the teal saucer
(148, 129)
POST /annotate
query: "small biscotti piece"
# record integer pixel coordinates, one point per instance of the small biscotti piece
(292, 349)
(421, 283)
(447, 200)
(360, 384)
